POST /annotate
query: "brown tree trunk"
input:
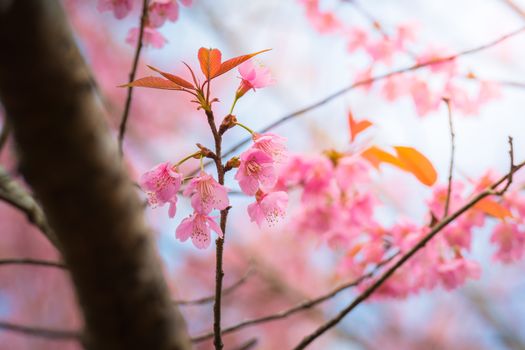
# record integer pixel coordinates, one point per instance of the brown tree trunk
(71, 162)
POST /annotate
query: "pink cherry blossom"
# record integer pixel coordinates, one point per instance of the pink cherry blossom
(120, 8)
(254, 76)
(198, 226)
(357, 39)
(207, 194)
(271, 144)
(268, 206)
(151, 37)
(510, 241)
(454, 273)
(424, 99)
(256, 169)
(162, 10)
(161, 185)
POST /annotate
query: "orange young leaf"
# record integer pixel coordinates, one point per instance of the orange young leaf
(417, 164)
(154, 83)
(176, 79)
(210, 60)
(357, 127)
(376, 156)
(493, 208)
(228, 65)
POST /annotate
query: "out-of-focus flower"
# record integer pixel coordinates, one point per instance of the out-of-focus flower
(120, 8)
(150, 37)
(162, 10)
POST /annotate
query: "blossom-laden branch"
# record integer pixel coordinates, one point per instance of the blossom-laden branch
(211, 298)
(492, 190)
(364, 82)
(14, 194)
(303, 306)
(256, 172)
(132, 73)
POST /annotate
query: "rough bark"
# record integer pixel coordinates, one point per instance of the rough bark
(72, 164)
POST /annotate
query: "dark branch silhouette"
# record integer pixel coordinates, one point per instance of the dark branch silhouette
(71, 162)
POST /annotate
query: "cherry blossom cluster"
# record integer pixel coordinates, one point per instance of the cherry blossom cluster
(391, 50)
(158, 12)
(257, 167)
(338, 205)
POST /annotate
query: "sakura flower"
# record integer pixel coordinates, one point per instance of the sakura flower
(151, 37)
(120, 8)
(256, 168)
(161, 185)
(206, 194)
(271, 144)
(455, 272)
(268, 206)
(510, 241)
(162, 10)
(198, 226)
(424, 99)
(253, 77)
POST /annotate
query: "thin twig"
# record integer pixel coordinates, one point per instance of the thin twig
(127, 106)
(40, 332)
(248, 345)
(33, 262)
(211, 298)
(518, 10)
(305, 305)
(14, 194)
(363, 82)
(219, 242)
(436, 229)
(452, 155)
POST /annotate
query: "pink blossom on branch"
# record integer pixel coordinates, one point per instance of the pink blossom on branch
(268, 206)
(254, 76)
(271, 144)
(161, 185)
(162, 10)
(120, 8)
(198, 226)
(207, 194)
(256, 169)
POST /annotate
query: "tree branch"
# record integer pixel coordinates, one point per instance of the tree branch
(33, 262)
(452, 155)
(363, 82)
(138, 49)
(211, 298)
(14, 194)
(405, 257)
(305, 305)
(68, 157)
(40, 332)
